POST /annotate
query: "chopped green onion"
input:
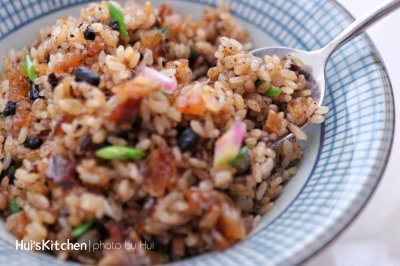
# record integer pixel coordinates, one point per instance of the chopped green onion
(273, 91)
(118, 16)
(83, 228)
(259, 82)
(119, 153)
(2, 116)
(13, 206)
(28, 68)
(163, 30)
(269, 91)
(165, 94)
(262, 86)
(241, 159)
(193, 54)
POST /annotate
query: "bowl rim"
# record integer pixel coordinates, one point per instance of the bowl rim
(388, 152)
(384, 75)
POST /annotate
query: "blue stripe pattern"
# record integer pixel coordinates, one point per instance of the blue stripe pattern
(355, 142)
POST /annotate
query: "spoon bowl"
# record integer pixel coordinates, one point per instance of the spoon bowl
(314, 65)
(315, 61)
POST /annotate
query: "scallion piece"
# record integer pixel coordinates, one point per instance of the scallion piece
(193, 54)
(241, 159)
(2, 116)
(165, 94)
(119, 153)
(163, 30)
(13, 206)
(29, 69)
(81, 229)
(118, 16)
(273, 92)
(262, 86)
(259, 82)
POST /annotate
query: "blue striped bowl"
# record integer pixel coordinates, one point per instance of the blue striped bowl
(344, 158)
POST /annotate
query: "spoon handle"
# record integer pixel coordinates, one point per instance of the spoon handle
(359, 26)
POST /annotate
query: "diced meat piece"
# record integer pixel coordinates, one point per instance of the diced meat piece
(220, 241)
(62, 171)
(126, 112)
(136, 88)
(298, 108)
(70, 60)
(63, 119)
(22, 115)
(19, 84)
(183, 72)
(217, 213)
(230, 223)
(153, 40)
(76, 59)
(19, 223)
(210, 217)
(94, 48)
(162, 171)
(200, 200)
(129, 95)
(191, 101)
(273, 123)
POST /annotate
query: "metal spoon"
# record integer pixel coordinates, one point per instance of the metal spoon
(316, 60)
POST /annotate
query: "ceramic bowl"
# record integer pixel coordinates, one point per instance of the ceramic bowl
(344, 158)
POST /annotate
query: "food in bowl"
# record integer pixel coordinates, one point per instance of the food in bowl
(134, 124)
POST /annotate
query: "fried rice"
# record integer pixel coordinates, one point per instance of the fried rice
(175, 94)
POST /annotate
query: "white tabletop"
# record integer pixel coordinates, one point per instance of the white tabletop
(374, 237)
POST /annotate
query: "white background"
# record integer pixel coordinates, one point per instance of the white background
(374, 238)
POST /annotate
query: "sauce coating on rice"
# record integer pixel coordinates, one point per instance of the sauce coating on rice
(112, 132)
